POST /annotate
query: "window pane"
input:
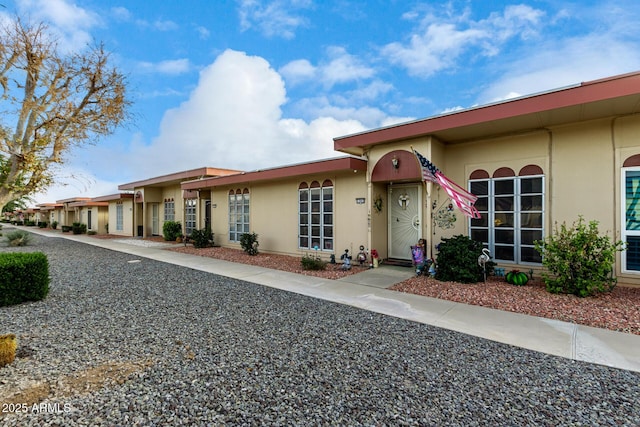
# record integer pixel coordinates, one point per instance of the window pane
(483, 221)
(327, 193)
(482, 204)
(315, 194)
(304, 219)
(328, 207)
(504, 236)
(304, 195)
(504, 253)
(315, 219)
(315, 231)
(328, 219)
(304, 230)
(304, 242)
(480, 188)
(530, 255)
(504, 203)
(328, 231)
(503, 186)
(304, 207)
(531, 185)
(529, 237)
(315, 206)
(531, 203)
(632, 253)
(480, 235)
(531, 220)
(632, 203)
(328, 244)
(503, 220)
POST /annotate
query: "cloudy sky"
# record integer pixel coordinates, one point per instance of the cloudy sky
(249, 84)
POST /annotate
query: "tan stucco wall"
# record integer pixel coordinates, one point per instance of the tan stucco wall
(274, 214)
(127, 217)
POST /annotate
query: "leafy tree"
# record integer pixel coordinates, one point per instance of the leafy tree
(50, 101)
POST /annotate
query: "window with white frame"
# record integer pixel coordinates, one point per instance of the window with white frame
(190, 216)
(169, 210)
(238, 214)
(512, 213)
(631, 214)
(119, 217)
(315, 215)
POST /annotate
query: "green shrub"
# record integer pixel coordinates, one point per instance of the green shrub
(313, 263)
(78, 228)
(92, 232)
(42, 224)
(18, 238)
(24, 276)
(54, 225)
(249, 243)
(578, 259)
(29, 223)
(171, 230)
(458, 260)
(202, 238)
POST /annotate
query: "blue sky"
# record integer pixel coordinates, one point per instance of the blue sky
(250, 84)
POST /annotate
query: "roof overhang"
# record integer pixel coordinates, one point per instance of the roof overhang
(349, 163)
(177, 178)
(610, 97)
(112, 197)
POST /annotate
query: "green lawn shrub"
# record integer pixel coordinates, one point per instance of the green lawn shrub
(171, 230)
(578, 259)
(249, 243)
(78, 228)
(457, 260)
(313, 263)
(18, 238)
(24, 276)
(202, 238)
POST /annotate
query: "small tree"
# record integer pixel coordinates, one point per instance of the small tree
(249, 243)
(578, 259)
(51, 101)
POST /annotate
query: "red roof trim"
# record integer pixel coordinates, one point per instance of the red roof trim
(592, 91)
(178, 176)
(321, 166)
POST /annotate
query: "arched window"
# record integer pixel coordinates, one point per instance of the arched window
(315, 215)
(238, 213)
(511, 211)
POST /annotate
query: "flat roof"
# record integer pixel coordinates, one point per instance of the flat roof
(282, 172)
(612, 96)
(177, 177)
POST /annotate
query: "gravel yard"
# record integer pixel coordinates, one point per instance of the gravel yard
(127, 341)
(618, 310)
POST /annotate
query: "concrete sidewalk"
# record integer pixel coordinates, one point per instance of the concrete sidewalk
(367, 290)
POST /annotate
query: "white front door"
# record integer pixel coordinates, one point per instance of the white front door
(155, 219)
(405, 212)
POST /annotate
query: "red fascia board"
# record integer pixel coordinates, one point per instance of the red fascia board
(88, 203)
(592, 91)
(178, 176)
(73, 199)
(112, 197)
(322, 166)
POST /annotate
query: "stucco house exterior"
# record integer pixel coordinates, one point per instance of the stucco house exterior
(69, 213)
(94, 214)
(119, 213)
(51, 212)
(160, 199)
(533, 162)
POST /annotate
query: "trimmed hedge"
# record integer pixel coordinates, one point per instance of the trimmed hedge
(24, 276)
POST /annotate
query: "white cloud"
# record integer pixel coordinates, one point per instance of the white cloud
(298, 71)
(273, 18)
(440, 41)
(69, 22)
(568, 62)
(233, 119)
(169, 67)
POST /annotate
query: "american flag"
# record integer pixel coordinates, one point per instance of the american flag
(459, 196)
